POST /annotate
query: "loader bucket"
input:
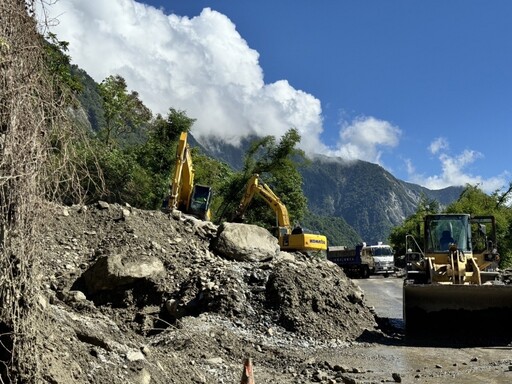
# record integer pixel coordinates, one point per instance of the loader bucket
(473, 313)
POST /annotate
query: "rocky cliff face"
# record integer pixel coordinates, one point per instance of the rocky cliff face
(368, 197)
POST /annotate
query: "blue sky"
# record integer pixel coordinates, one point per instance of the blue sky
(423, 88)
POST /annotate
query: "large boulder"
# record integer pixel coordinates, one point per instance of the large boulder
(245, 242)
(116, 271)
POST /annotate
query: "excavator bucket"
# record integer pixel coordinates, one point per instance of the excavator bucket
(474, 312)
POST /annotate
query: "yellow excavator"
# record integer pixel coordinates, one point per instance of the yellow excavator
(289, 239)
(453, 284)
(190, 198)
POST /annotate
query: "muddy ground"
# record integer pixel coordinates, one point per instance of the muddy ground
(171, 309)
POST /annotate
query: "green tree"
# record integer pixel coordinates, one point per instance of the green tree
(157, 155)
(58, 63)
(125, 114)
(475, 202)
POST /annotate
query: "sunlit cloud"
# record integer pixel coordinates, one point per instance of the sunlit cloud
(438, 144)
(365, 138)
(454, 170)
(200, 65)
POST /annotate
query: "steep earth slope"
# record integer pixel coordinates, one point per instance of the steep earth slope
(144, 296)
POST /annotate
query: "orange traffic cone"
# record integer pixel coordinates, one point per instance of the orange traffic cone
(247, 374)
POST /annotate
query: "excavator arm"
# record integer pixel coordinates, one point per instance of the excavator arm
(256, 186)
(184, 194)
(289, 240)
(183, 180)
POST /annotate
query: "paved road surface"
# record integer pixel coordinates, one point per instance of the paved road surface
(385, 295)
(425, 364)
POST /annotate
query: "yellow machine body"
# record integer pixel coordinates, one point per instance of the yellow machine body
(456, 287)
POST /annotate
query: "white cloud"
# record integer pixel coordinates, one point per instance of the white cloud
(200, 65)
(453, 170)
(438, 144)
(364, 138)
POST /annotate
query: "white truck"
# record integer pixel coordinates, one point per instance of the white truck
(364, 260)
(383, 257)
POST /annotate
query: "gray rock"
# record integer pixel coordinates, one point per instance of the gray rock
(135, 356)
(245, 242)
(115, 271)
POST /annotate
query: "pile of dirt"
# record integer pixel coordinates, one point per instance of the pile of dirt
(135, 296)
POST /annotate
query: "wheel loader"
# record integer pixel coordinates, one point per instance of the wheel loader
(453, 284)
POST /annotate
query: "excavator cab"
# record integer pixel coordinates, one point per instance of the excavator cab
(200, 199)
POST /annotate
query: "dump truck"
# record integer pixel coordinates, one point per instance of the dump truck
(352, 261)
(453, 283)
(364, 260)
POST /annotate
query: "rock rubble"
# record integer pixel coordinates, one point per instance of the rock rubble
(133, 296)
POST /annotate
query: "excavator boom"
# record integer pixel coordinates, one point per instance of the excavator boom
(256, 186)
(183, 180)
(184, 195)
(289, 240)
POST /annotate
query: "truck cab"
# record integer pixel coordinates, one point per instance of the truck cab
(383, 257)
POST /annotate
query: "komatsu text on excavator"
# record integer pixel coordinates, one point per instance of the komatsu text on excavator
(289, 239)
(190, 198)
(454, 284)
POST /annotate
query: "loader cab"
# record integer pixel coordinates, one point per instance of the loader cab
(441, 231)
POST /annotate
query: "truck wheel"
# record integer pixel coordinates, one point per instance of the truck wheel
(386, 275)
(365, 272)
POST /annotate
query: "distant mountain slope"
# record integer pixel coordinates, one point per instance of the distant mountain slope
(336, 229)
(90, 99)
(369, 198)
(234, 156)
